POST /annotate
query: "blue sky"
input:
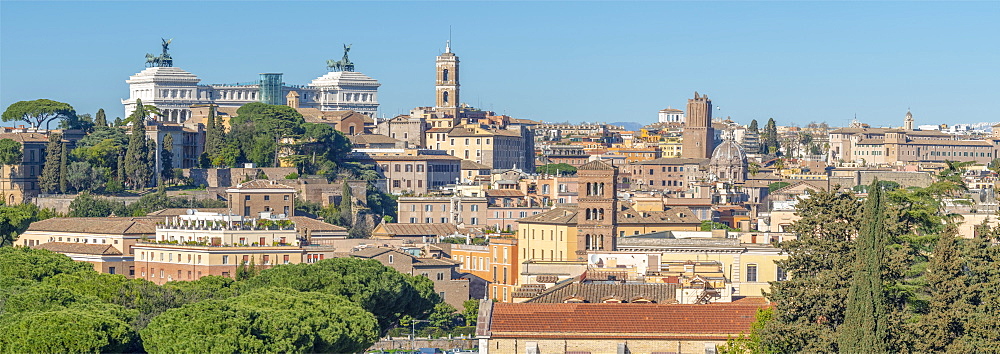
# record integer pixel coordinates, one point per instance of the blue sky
(555, 61)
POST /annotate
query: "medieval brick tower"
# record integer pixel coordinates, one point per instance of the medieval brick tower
(699, 136)
(596, 220)
(446, 85)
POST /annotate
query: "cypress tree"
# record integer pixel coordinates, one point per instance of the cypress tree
(137, 171)
(102, 119)
(63, 170)
(866, 316)
(946, 283)
(167, 158)
(120, 169)
(346, 212)
(753, 127)
(48, 181)
(150, 162)
(769, 140)
(213, 135)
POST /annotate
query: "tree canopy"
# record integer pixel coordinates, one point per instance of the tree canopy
(272, 320)
(49, 303)
(38, 112)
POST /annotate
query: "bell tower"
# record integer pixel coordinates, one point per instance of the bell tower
(698, 135)
(446, 87)
(908, 121)
(597, 216)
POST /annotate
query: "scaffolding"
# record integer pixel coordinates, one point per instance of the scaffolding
(271, 88)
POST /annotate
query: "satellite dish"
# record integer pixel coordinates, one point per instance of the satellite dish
(191, 211)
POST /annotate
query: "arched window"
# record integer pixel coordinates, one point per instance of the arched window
(588, 241)
(601, 215)
(444, 75)
(445, 97)
(351, 132)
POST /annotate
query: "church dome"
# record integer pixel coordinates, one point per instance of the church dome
(729, 153)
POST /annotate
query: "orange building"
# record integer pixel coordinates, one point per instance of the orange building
(497, 263)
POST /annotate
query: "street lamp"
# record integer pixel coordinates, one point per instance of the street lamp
(413, 333)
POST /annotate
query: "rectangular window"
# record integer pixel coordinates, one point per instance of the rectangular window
(284, 259)
(267, 197)
(781, 276)
(751, 273)
(246, 197)
(111, 270)
(225, 259)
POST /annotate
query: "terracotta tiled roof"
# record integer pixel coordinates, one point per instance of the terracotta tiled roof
(503, 193)
(111, 226)
(472, 165)
(595, 292)
(364, 139)
(541, 320)
(79, 248)
(25, 137)
(565, 214)
(596, 165)
(313, 224)
(402, 230)
(262, 184)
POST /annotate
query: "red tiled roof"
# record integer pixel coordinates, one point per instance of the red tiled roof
(79, 248)
(571, 320)
(113, 226)
(503, 193)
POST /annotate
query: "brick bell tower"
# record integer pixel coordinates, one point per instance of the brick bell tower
(446, 87)
(597, 217)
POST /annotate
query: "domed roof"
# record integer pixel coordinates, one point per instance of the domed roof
(729, 153)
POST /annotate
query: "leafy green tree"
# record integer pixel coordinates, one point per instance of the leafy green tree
(93, 328)
(750, 343)
(88, 205)
(470, 312)
(381, 290)
(79, 176)
(556, 169)
(272, 320)
(82, 122)
(101, 147)
(776, 186)
(10, 152)
(38, 112)
(752, 128)
(981, 301)
(443, 316)
(101, 120)
(48, 181)
(137, 171)
(167, 158)
(26, 266)
(810, 304)
(15, 219)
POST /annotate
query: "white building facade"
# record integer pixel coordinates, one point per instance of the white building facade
(173, 91)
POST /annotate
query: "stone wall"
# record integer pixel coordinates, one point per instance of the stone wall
(60, 203)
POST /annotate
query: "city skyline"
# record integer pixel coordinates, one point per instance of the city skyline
(796, 62)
